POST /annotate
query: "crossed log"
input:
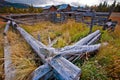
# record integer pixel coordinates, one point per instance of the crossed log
(55, 62)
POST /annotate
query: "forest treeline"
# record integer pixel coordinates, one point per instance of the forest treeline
(105, 7)
(30, 9)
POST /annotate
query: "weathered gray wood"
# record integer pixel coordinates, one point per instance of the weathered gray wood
(80, 49)
(6, 27)
(64, 70)
(17, 21)
(8, 68)
(41, 71)
(83, 41)
(48, 76)
(40, 48)
(36, 45)
(38, 36)
(87, 40)
(94, 39)
(53, 42)
(49, 40)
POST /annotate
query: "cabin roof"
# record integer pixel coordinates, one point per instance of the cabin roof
(46, 7)
(74, 8)
(63, 6)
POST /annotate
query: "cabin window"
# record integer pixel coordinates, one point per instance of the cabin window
(58, 15)
(70, 15)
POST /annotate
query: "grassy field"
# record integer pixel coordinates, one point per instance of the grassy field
(105, 65)
(1, 49)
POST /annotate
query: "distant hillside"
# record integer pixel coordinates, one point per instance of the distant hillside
(9, 4)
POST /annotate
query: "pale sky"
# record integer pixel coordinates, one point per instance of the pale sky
(56, 2)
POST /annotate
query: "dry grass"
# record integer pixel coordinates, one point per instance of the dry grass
(1, 49)
(106, 64)
(69, 32)
(22, 56)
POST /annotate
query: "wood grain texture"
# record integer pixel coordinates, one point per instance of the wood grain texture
(8, 68)
(6, 27)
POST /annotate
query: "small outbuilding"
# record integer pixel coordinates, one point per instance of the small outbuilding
(50, 9)
(64, 7)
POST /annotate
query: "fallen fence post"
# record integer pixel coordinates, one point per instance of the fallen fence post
(83, 41)
(8, 68)
(72, 72)
(80, 49)
(6, 27)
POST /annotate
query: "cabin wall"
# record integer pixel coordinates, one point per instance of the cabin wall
(53, 9)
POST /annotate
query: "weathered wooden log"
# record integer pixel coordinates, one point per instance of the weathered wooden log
(63, 69)
(6, 27)
(41, 71)
(36, 45)
(73, 71)
(17, 21)
(94, 39)
(53, 42)
(91, 38)
(80, 49)
(8, 68)
(83, 41)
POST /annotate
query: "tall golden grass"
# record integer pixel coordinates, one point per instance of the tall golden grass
(22, 56)
(1, 51)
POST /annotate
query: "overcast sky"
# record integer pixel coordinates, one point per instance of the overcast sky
(56, 2)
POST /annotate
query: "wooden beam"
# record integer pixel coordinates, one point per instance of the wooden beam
(57, 63)
(8, 68)
(36, 45)
(17, 21)
(6, 27)
(94, 39)
(83, 41)
(41, 71)
(80, 49)
(64, 70)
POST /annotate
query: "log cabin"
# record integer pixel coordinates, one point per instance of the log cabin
(50, 9)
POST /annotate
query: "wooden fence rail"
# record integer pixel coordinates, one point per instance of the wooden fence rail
(8, 68)
(69, 71)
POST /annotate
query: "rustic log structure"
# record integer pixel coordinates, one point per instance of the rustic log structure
(48, 9)
(8, 68)
(71, 72)
(59, 67)
(6, 27)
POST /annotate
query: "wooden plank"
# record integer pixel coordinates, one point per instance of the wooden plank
(80, 49)
(6, 27)
(36, 45)
(83, 41)
(72, 72)
(41, 71)
(102, 13)
(8, 68)
(17, 21)
(48, 76)
(64, 70)
(94, 39)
